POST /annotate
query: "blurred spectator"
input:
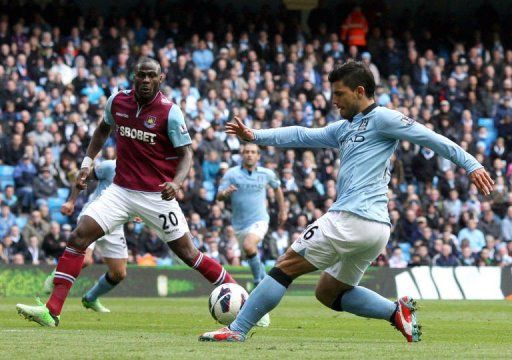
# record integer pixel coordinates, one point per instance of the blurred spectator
(490, 224)
(36, 226)
(280, 238)
(446, 257)
(24, 175)
(410, 229)
(506, 226)
(9, 198)
(467, 258)
(484, 258)
(212, 244)
(397, 259)
(151, 244)
(55, 242)
(34, 255)
(7, 220)
(354, 28)
(475, 236)
(44, 186)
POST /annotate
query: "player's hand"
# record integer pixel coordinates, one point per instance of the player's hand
(67, 208)
(169, 190)
(81, 179)
(230, 190)
(238, 128)
(282, 217)
(482, 180)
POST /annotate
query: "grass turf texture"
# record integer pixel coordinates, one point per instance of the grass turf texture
(301, 328)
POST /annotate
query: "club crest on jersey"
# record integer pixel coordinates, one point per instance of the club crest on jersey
(150, 122)
(407, 120)
(363, 125)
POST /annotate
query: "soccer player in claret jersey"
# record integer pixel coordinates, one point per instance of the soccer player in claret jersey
(354, 231)
(246, 185)
(154, 156)
(112, 246)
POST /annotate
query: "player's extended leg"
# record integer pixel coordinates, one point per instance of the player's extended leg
(48, 282)
(264, 298)
(115, 274)
(353, 299)
(361, 301)
(68, 268)
(250, 246)
(209, 268)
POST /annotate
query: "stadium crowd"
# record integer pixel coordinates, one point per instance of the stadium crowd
(58, 67)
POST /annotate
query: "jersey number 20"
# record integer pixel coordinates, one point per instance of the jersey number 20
(171, 217)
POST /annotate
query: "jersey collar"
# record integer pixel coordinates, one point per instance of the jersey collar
(158, 93)
(247, 171)
(363, 113)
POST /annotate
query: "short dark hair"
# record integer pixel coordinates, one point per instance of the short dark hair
(147, 60)
(354, 74)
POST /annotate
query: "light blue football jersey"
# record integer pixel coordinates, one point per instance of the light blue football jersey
(249, 201)
(365, 146)
(105, 172)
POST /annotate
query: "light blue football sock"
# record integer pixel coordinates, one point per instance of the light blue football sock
(365, 302)
(263, 299)
(263, 273)
(102, 287)
(257, 269)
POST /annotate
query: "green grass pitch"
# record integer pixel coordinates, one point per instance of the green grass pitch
(301, 329)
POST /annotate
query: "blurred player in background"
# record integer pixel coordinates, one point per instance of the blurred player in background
(246, 185)
(111, 246)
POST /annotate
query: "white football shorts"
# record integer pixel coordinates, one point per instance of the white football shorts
(117, 205)
(342, 244)
(259, 228)
(112, 245)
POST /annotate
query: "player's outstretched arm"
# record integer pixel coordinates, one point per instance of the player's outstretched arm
(170, 189)
(404, 128)
(283, 211)
(292, 136)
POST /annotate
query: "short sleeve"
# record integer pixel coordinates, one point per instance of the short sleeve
(273, 180)
(225, 181)
(107, 114)
(176, 128)
(105, 170)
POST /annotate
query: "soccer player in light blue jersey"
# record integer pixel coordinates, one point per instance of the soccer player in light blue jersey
(345, 240)
(246, 185)
(112, 246)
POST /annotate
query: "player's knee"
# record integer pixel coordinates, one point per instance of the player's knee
(117, 275)
(78, 239)
(325, 297)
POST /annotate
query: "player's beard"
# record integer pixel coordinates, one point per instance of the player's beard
(145, 96)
